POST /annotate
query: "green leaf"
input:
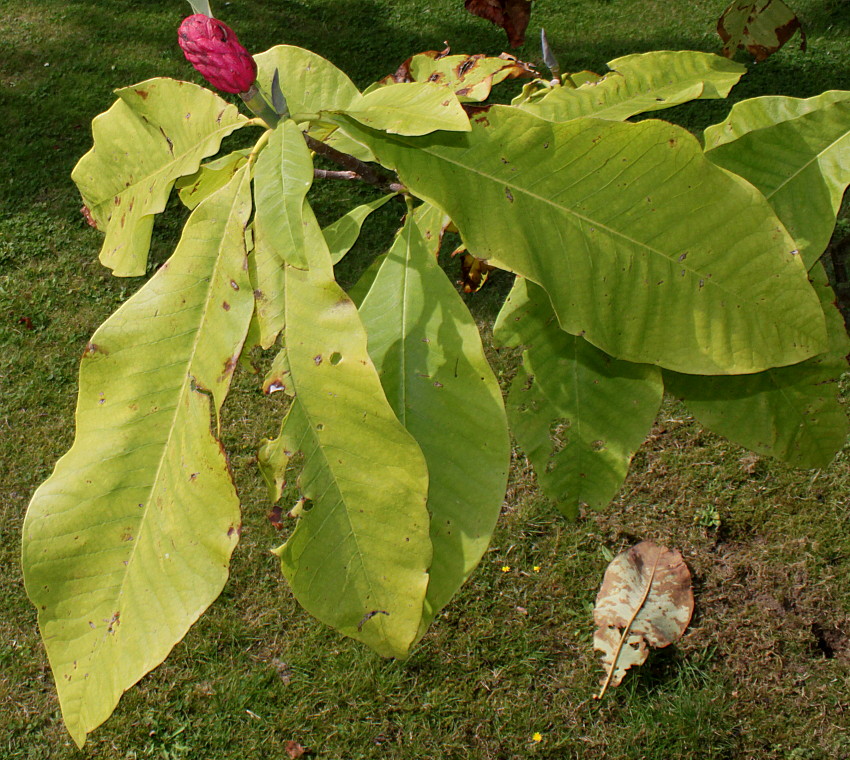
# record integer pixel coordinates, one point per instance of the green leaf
(342, 234)
(470, 77)
(797, 152)
(359, 554)
(645, 248)
(308, 81)
(282, 178)
(791, 413)
(637, 84)
(212, 176)
(155, 132)
(409, 108)
(578, 414)
(128, 541)
(428, 352)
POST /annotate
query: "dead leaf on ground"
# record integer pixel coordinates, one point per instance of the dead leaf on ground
(759, 27)
(511, 15)
(294, 749)
(645, 600)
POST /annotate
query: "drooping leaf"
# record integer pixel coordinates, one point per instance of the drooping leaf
(342, 234)
(797, 152)
(761, 27)
(427, 349)
(128, 541)
(410, 108)
(359, 554)
(470, 77)
(611, 220)
(282, 178)
(142, 144)
(645, 601)
(212, 176)
(308, 81)
(578, 414)
(791, 413)
(511, 15)
(638, 84)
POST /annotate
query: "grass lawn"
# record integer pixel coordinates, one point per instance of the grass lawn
(764, 670)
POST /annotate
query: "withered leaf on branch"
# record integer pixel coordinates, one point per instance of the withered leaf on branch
(474, 272)
(511, 15)
(645, 600)
(759, 27)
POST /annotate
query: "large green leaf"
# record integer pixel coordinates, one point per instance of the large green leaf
(155, 132)
(579, 414)
(797, 152)
(282, 178)
(308, 81)
(128, 541)
(645, 248)
(410, 108)
(358, 557)
(637, 84)
(428, 352)
(791, 413)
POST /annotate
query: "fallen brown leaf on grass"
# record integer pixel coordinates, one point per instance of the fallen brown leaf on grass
(645, 600)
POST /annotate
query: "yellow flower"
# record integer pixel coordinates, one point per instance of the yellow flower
(538, 737)
(536, 569)
(506, 568)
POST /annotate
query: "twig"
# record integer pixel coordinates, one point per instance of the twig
(327, 174)
(353, 166)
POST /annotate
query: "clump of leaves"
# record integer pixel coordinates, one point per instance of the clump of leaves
(642, 259)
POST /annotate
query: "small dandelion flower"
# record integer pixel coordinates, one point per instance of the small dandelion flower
(538, 737)
(536, 569)
(506, 568)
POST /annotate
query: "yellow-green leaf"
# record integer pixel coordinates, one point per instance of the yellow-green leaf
(155, 132)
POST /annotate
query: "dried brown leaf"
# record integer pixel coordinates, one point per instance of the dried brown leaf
(645, 600)
(760, 27)
(511, 15)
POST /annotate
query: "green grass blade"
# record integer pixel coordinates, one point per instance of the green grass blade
(129, 540)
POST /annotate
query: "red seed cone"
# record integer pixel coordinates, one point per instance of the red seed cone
(213, 49)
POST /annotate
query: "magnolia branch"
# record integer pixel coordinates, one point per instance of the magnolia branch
(353, 168)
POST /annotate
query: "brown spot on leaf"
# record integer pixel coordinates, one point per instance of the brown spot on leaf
(143, 94)
(225, 305)
(92, 349)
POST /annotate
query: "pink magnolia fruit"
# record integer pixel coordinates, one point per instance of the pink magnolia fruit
(212, 48)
